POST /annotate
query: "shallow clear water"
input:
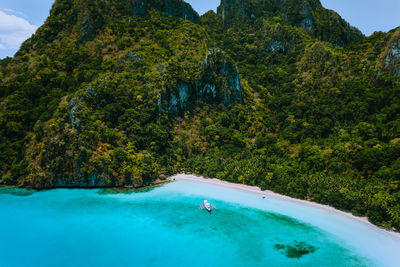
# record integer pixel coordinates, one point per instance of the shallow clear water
(164, 227)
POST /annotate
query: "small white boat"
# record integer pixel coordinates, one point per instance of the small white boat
(207, 205)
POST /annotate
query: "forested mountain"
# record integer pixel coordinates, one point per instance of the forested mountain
(285, 95)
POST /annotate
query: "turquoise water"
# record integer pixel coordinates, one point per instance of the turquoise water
(164, 227)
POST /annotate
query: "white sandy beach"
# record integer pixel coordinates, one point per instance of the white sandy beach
(270, 194)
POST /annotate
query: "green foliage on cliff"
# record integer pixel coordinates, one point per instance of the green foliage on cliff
(105, 95)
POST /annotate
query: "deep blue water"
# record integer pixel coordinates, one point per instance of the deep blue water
(162, 227)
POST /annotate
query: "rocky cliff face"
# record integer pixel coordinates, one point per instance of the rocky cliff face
(296, 12)
(392, 57)
(90, 22)
(217, 83)
(94, 14)
(174, 8)
(310, 15)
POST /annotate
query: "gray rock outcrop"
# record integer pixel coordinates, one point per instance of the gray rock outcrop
(305, 14)
(91, 23)
(93, 15)
(217, 83)
(392, 58)
(174, 8)
(276, 46)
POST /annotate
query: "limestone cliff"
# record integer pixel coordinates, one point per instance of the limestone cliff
(90, 16)
(174, 8)
(217, 83)
(310, 15)
(391, 58)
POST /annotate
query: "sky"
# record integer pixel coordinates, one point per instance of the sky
(19, 19)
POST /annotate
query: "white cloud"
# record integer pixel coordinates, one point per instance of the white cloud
(14, 30)
(9, 10)
(17, 13)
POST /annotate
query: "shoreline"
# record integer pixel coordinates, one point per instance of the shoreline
(125, 187)
(269, 193)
